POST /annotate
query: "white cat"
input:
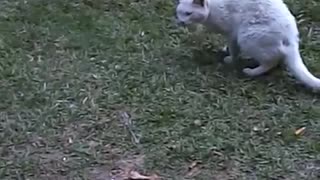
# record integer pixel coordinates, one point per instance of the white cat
(264, 30)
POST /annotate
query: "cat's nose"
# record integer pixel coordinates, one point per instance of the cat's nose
(181, 23)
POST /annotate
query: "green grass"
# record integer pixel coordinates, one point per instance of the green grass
(68, 69)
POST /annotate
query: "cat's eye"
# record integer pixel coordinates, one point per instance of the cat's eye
(188, 13)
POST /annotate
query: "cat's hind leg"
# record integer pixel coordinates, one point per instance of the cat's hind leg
(261, 69)
(267, 58)
(267, 52)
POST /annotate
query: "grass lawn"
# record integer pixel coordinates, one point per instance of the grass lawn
(90, 86)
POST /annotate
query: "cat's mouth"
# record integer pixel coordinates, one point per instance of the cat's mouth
(181, 23)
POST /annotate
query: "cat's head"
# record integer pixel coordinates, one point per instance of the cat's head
(191, 11)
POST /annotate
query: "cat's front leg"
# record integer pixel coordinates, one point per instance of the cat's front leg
(225, 50)
(234, 51)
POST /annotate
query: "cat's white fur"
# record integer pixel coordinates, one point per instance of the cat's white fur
(264, 30)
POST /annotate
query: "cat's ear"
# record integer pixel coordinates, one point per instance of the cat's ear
(199, 2)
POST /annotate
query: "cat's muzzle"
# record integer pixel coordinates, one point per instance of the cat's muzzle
(181, 23)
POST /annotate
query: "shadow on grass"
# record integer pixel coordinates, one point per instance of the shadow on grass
(278, 77)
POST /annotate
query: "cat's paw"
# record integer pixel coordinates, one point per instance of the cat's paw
(225, 49)
(249, 72)
(228, 60)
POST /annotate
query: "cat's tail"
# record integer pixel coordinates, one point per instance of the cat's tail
(298, 69)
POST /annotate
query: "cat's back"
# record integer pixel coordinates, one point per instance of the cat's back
(260, 9)
(264, 13)
(255, 15)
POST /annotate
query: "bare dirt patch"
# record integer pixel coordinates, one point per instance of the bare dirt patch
(124, 169)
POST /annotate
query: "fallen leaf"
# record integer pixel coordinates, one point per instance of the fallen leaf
(124, 169)
(193, 172)
(193, 169)
(255, 128)
(197, 122)
(299, 131)
(217, 153)
(134, 175)
(194, 164)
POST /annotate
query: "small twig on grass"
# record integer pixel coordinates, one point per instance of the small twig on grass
(126, 120)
